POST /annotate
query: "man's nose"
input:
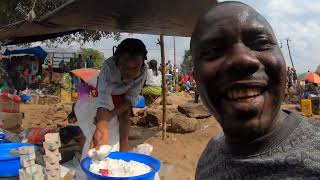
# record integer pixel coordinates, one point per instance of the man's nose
(242, 62)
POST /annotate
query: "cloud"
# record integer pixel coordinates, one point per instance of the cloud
(300, 22)
(289, 8)
(284, 7)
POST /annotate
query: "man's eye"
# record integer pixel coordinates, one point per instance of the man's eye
(212, 53)
(261, 44)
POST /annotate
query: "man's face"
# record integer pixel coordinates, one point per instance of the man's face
(130, 66)
(240, 69)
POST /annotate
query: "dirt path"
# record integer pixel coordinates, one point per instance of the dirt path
(182, 151)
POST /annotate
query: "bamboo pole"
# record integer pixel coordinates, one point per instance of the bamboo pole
(174, 52)
(164, 88)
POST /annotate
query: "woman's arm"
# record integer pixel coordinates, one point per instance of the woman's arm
(105, 109)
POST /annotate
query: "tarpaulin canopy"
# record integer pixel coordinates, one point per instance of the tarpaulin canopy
(26, 31)
(37, 51)
(166, 17)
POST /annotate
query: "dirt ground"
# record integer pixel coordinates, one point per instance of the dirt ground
(36, 116)
(179, 153)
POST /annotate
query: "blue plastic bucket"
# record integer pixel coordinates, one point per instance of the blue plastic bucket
(25, 98)
(126, 156)
(141, 103)
(10, 164)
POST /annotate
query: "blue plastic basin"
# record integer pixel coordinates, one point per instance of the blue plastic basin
(10, 164)
(25, 98)
(126, 156)
(141, 103)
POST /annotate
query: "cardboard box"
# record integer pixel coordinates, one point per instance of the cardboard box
(9, 105)
(39, 175)
(55, 159)
(28, 157)
(10, 120)
(51, 146)
(27, 163)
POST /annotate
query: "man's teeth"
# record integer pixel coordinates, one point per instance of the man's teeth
(244, 93)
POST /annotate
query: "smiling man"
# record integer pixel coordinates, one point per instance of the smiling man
(241, 75)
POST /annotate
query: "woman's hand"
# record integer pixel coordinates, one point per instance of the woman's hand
(101, 135)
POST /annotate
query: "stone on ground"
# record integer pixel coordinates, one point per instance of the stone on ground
(134, 134)
(182, 124)
(153, 118)
(193, 110)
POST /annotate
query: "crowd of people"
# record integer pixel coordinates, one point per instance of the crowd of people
(295, 88)
(20, 72)
(292, 78)
(175, 81)
(76, 63)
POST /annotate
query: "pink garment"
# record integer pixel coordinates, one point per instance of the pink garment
(83, 91)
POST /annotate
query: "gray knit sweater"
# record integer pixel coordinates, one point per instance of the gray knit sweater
(289, 152)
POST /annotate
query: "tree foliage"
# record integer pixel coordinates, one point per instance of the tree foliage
(17, 10)
(187, 64)
(96, 55)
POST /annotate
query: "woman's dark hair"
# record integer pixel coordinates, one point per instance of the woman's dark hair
(131, 46)
(153, 65)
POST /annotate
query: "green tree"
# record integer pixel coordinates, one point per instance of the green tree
(96, 55)
(187, 63)
(17, 10)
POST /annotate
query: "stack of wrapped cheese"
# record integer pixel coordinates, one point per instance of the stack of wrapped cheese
(114, 167)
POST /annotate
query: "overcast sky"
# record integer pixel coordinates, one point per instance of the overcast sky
(294, 19)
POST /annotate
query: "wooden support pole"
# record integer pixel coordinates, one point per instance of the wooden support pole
(295, 73)
(164, 88)
(290, 54)
(174, 52)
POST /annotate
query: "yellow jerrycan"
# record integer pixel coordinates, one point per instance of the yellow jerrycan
(306, 107)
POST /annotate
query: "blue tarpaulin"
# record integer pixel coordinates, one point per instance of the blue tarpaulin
(37, 51)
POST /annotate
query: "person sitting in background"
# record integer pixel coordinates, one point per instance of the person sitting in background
(172, 86)
(3, 80)
(62, 66)
(80, 62)
(71, 64)
(241, 73)
(188, 85)
(169, 67)
(310, 89)
(90, 62)
(152, 88)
